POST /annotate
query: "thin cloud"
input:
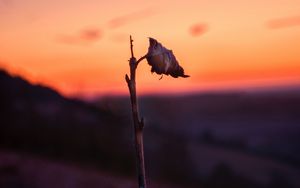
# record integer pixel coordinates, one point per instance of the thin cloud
(198, 29)
(119, 37)
(90, 34)
(134, 16)
(6, 2)
(283, 22)
(6, 5)
(85, 36)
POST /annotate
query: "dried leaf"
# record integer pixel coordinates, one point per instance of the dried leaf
(163, 60)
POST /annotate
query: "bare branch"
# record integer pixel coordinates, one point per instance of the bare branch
(138, 124)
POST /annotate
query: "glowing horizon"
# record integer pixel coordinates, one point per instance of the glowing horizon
(82, 48)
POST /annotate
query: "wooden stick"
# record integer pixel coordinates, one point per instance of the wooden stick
(138, 124)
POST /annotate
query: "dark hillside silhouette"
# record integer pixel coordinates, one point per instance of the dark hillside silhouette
(233, 139)
(37, 119)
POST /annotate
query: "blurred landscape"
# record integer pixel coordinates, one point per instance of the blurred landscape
(235, 139)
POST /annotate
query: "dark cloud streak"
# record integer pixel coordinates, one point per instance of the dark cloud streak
(198, 29)
(85, 36)
(283, 22)
(90, 34)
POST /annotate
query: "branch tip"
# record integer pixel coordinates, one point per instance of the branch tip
(127, 78)
(131, 46)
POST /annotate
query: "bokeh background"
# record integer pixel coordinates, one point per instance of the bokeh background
(65, 109)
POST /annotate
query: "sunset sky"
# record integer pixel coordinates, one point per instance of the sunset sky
(81, 48)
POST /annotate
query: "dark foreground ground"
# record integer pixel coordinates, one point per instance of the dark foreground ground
(25, 171)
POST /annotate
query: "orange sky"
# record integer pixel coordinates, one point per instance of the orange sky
(81, 47)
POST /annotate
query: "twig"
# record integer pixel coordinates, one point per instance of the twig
(131, 47)
(141, 58)
(138, 124)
